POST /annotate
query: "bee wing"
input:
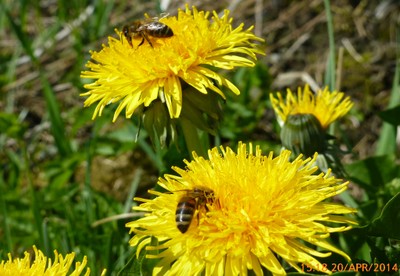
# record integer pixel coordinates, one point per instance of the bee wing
(154, 26)
(157, 18)
(163, 15)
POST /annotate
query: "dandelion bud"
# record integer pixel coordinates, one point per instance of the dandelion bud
(303, 133)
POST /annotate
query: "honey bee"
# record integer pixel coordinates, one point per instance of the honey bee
(149, 27)
(193, 200)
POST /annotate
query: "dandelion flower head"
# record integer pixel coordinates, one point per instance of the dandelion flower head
(326, 106)
(43, 265)
(137, 75)
(263, 207)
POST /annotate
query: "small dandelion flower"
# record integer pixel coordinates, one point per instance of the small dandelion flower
(325, 106)
(255, 210)
(137, 75)
(304, 120)
(43, 265)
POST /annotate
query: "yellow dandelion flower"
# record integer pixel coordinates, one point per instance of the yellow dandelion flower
(253, 209)
(137, 75)
(42, 265)
(326, 106)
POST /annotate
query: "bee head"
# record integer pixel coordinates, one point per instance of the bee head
(126, 33)
(125, 30)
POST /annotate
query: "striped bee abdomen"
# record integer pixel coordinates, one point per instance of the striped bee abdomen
(194, 200)
(158, 29)
(185, 212)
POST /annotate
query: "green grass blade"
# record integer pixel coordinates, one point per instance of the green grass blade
(20, 34)
(35, 205)
(330, 79)
(57, 124)
(87, 192)
(3, 210)
(132, 191)
(387, 138)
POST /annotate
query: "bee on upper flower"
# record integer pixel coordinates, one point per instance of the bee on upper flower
(145, 29)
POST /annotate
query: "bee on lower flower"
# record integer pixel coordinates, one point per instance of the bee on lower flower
(194, 200)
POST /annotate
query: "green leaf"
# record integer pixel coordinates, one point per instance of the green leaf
(387, 224)
(387, 138)
(374, 172)
(391, 115)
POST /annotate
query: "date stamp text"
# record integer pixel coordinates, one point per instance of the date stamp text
(354, 267)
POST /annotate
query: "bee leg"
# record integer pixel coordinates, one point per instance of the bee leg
(141, 42)
(130, 42)
(147, 39)
(198, 211)
(198, 217)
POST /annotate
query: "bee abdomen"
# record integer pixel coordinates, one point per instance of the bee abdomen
(166, 32)
(158, 29)
(184, 214)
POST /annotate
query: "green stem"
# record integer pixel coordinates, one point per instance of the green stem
(195, 140)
